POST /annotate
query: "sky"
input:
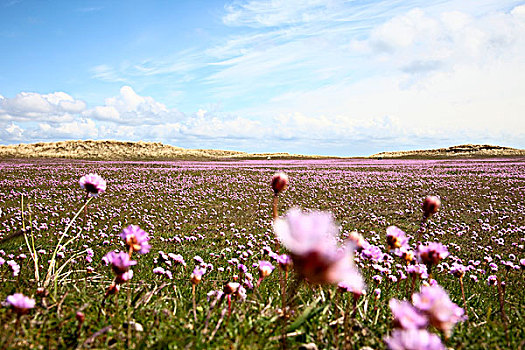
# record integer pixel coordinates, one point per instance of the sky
(328, 77)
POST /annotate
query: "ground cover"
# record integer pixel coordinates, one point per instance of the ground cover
(218, 217)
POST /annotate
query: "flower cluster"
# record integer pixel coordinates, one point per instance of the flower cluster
(431, 306)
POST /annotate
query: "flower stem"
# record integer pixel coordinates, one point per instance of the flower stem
(194, 303)
(463, 294)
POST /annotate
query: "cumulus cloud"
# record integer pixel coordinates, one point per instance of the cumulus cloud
(27, 106)
(133, 109)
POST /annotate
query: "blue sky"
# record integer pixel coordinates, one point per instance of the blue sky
(329, 77)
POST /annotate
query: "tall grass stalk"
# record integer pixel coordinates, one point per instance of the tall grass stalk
(51, 275)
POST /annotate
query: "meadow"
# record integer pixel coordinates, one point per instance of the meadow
(209, 224)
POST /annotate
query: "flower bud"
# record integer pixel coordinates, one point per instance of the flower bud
(231, 288)
(80, 317)
(196, 275)
(279, 182)
(431, 205)
(265, 269)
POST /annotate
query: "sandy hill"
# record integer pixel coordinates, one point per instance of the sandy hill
(119, 150)
(461, 151)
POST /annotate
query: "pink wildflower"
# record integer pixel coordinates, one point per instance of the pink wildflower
(93, 184)
(20, 303)
(414, 339)
(406, 316)
(434, 302)
(136, 238)
(432, 253)
(311, 240)
(431, 205)
(396, 238)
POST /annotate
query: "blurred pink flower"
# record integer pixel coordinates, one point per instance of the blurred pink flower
(20, 303)
(434, 302)
(431, 205)
(311, 239)
(396, 238)
(120, 262)
(136, 238)
(414, 339)
(432, 253)
(406, 316)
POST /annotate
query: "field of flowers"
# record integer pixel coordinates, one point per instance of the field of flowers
(364, 254)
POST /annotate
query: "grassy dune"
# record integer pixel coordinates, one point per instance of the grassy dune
(461, 151)
(120, 150)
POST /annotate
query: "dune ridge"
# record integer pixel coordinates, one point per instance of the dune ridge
(460, 151)
(124, 150)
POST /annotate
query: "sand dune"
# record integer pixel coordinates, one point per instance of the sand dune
(119, 150)
(461, 151)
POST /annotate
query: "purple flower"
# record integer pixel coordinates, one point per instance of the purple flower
(126, 276)
(434, 302)
(414, 339)
(120, 262)
(20, 303)
(93, 184)
(196, 275)
(177, 258)
(89, 255)
(136, 238)
(492, 280)
(373, 253)
(432, 253)
(285, 262)
(242, 268)
(395, 238)
(458, 270)
(159, 271)
(406, 316)
(265, 268)
(311, 240)
(14, 266)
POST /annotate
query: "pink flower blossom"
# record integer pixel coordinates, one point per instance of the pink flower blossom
(120, 262)
(434, 302)
(406, 316)
(279, 182)
(311, 240)
(432, 253)
(20, 303)
(414, 339)
(136, 238)
(93, 184)
(431, 205)
(396, 238)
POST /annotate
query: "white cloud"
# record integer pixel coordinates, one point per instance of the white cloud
(78, 129)
(29, 106)
(256, 13)
(133, 109)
